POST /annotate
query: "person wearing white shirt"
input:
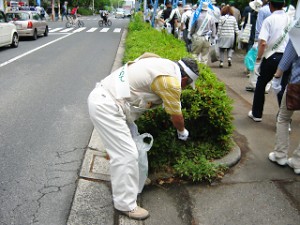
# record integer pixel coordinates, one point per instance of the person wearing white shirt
(184, 26)
(271, 45)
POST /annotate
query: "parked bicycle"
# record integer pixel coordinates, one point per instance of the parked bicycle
(74, 22)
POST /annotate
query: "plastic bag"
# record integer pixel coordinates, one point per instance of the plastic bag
(250, 59)
(214, 53)
(143, 147)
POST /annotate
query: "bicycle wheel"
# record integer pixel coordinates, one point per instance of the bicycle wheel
(109, 23)
(68, 24)
(80, 23)
(100, 23)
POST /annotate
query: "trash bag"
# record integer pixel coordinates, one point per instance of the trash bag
(250, 59)
(214, 53)
(143, 147)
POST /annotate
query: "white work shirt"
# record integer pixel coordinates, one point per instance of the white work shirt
(272, 29)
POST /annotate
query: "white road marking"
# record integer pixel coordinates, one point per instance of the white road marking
(33, 50)
(104, 30)
(117, 30)
(92, 29)
(79, 29)
(66, 30)
(55, 29)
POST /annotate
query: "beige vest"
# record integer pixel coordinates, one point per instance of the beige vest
(141, 74)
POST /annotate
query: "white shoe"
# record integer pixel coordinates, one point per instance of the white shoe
(137, 213)
(281, 162)
(290, 163)
(256, 119)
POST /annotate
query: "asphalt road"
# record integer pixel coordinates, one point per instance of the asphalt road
(44, 122)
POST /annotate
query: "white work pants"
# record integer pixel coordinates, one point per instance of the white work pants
(110, 122)
(282, 134)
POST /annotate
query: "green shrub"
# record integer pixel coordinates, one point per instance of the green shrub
(85, 11)
(206, 109)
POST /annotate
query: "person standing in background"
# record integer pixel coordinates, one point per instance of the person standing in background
(263, 13)
(272, 41)
(185, 21)
(64, 11)
(166, 17)
(227, 30)
(201, 31)
(279, 155)
(254, 6)
(215, 13)
(158, 23)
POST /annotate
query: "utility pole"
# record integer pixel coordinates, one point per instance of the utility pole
(53, 11)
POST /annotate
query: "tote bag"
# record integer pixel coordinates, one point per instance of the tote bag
(245, 35)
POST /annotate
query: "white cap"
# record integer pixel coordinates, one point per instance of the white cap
(256, 5)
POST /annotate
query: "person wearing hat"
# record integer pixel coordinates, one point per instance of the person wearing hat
(255, 6)
(120, 99)
(184, 27)
(201, 31)
(272, 41)
(262, 14)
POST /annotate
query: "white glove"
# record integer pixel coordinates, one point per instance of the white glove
(133, 129)
(189, 36)
(257, 69)
(255, 45)
(276, 84)
(183, 135)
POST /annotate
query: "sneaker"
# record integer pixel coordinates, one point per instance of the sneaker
(281, 162)
(229, 62)
(256, 119)
(290, 163)
(221, 65)
(248, 88)
(137, 213)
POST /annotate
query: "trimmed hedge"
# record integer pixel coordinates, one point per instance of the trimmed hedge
(207, 112)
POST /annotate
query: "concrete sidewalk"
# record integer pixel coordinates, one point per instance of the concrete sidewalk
(255, 191)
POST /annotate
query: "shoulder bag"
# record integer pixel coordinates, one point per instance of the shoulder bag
(246, 32)
(293, 96)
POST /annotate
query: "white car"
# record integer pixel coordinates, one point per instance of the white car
(8, 32)
(120, 13)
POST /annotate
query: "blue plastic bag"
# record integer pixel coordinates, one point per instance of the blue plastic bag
(250, 59)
